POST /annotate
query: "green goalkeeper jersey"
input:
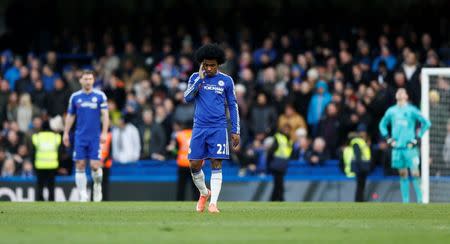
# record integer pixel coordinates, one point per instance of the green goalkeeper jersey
(402, 120)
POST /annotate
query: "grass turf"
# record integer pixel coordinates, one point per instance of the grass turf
(256, 222)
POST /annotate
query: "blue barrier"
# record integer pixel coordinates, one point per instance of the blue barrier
(166, 171)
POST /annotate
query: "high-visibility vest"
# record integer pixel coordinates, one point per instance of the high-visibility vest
(105, 155)
(284, 149)
(349, 155)
(46, 144)
(184, 139)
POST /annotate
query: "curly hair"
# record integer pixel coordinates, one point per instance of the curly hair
(210, 51)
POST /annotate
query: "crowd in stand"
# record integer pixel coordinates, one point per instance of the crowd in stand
(322, 86)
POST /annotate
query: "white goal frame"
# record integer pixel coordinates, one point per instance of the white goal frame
(425, 145)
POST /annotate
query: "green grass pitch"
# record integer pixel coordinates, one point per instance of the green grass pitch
(255, 222)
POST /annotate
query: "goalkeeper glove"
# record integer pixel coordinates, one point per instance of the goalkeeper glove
(413, 143)
(390, 142)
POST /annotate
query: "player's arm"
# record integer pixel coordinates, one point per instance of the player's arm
(383, 127)
(193, 85)
(234, 113)
(424, 123)
(70, 119)
(105, 119)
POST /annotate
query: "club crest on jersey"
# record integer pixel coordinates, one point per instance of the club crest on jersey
(221, 83)
(94, 99)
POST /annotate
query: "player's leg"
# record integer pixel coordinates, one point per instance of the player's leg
(215, 183)
(398, 162)
(97, 177)
(218, 150)
(96, 169)
(198, 177)
(79, 156)
(415, 173)
(81, 179)
(197, 152)
(404, 184)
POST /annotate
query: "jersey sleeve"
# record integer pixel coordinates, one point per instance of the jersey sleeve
(232, 107)
(103, 101)
(385, 121)
(72, 109)
(193, 86)
(424, 123)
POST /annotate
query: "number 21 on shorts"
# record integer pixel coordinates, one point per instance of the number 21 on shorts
(222, 149)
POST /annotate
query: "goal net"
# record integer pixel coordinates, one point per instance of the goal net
(435, 147)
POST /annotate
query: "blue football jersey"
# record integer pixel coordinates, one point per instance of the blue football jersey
(87, 109)
(212, 96)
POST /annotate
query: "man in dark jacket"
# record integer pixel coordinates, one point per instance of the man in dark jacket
(58, 99)
(153, 137)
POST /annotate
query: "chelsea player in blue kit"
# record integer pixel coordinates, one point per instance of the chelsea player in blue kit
(90, 109)
(213, 93)
(403, 139)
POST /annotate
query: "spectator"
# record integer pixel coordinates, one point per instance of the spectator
(317, 154)
(58, 99)
(411, 69)
(39, 95)
(112, 62)
(115, 90)
(293, 119)
(13, 73)
(161, 117)
(25, 112)
(318, 103)
(8, 168)
(280, 98)
(23, 84)
(330, 129)
(48, 77)
(301, 145)
(12, 106)
(4, 97)
(168, 69)
(266, 54)
(153, 137)
(385, 56)
(126, 146)
(254, 154)
(262, 116)
(301, 96)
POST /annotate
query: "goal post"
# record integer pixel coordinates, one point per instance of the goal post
(428, 80)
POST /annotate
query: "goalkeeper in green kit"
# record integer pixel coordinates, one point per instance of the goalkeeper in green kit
(403, 139)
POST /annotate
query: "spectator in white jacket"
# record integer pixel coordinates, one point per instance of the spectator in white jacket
(126, 143)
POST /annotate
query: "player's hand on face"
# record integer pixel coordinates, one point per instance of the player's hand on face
(201, 72)
(235, 139)
(66, 140)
